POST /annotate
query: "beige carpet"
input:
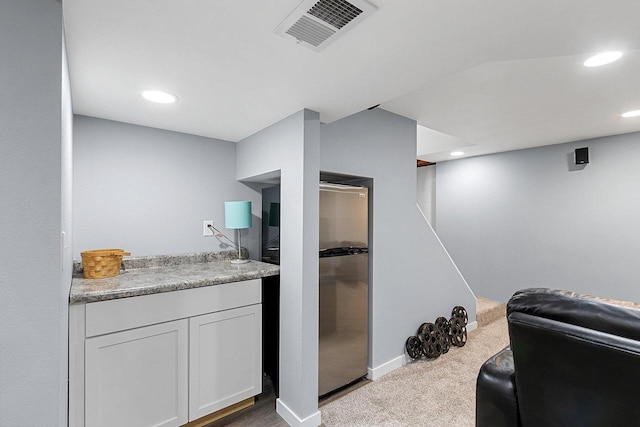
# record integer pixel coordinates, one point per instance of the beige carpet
(429, 393)
(488, 311)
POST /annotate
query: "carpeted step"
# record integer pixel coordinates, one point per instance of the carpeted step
(489, 311)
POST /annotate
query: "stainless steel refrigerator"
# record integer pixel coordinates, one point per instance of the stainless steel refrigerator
(344, 286)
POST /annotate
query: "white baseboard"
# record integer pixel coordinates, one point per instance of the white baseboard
(313, 420)
(385, 368)
(472, 326)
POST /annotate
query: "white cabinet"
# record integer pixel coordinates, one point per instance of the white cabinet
(164, 359)
(138, 377)
(224, 359)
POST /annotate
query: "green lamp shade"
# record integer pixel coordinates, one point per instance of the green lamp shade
(237, 214)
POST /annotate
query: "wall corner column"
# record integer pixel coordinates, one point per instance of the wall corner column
(292, 147)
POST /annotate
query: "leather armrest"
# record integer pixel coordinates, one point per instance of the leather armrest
(496, 400)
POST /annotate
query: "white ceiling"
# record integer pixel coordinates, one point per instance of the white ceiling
(487, 75)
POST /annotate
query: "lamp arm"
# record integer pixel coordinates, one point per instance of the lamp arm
(221, 234)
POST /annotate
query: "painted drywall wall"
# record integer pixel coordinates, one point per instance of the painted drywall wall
(426, 192)
(413, 279)
(33, 286)
(290, 149)
(533, 218)
(148, 190)
(66, 205)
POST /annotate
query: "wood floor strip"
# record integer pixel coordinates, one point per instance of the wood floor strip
(208, 419)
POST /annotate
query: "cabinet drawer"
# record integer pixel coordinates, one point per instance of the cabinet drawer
(127, 313)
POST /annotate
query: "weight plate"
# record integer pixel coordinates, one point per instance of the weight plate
(432, 349)
(459, 312)
(413, 347)
(433, 345)
(445, 343)
(423, 329)
(458, 334)
(461, 339)
(443, 324)
(428, 330)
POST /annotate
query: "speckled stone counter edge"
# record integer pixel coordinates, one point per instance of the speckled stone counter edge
(166, 274)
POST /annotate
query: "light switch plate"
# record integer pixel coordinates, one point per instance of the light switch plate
(206, 231)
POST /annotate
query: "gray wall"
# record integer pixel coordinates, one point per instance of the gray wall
(290, 149)
(426, 192)
(34, 177)
(148, 190)
(413, 278)
(533, 218)
(66, 204)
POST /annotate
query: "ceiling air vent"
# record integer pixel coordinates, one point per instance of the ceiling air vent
(317, 23)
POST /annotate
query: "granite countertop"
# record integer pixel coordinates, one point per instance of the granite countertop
(150, 275)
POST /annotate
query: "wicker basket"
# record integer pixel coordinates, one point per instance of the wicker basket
(101, 263)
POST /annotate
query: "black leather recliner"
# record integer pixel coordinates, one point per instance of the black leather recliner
(574, 360)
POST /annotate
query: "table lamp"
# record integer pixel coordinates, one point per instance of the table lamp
(237, 215)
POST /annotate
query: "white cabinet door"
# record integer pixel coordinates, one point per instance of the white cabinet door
(225, 359)
(138, 377)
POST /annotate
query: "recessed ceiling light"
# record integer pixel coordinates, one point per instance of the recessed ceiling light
(159, 96)
(603, 58)
(634, 113)
(457, 153)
